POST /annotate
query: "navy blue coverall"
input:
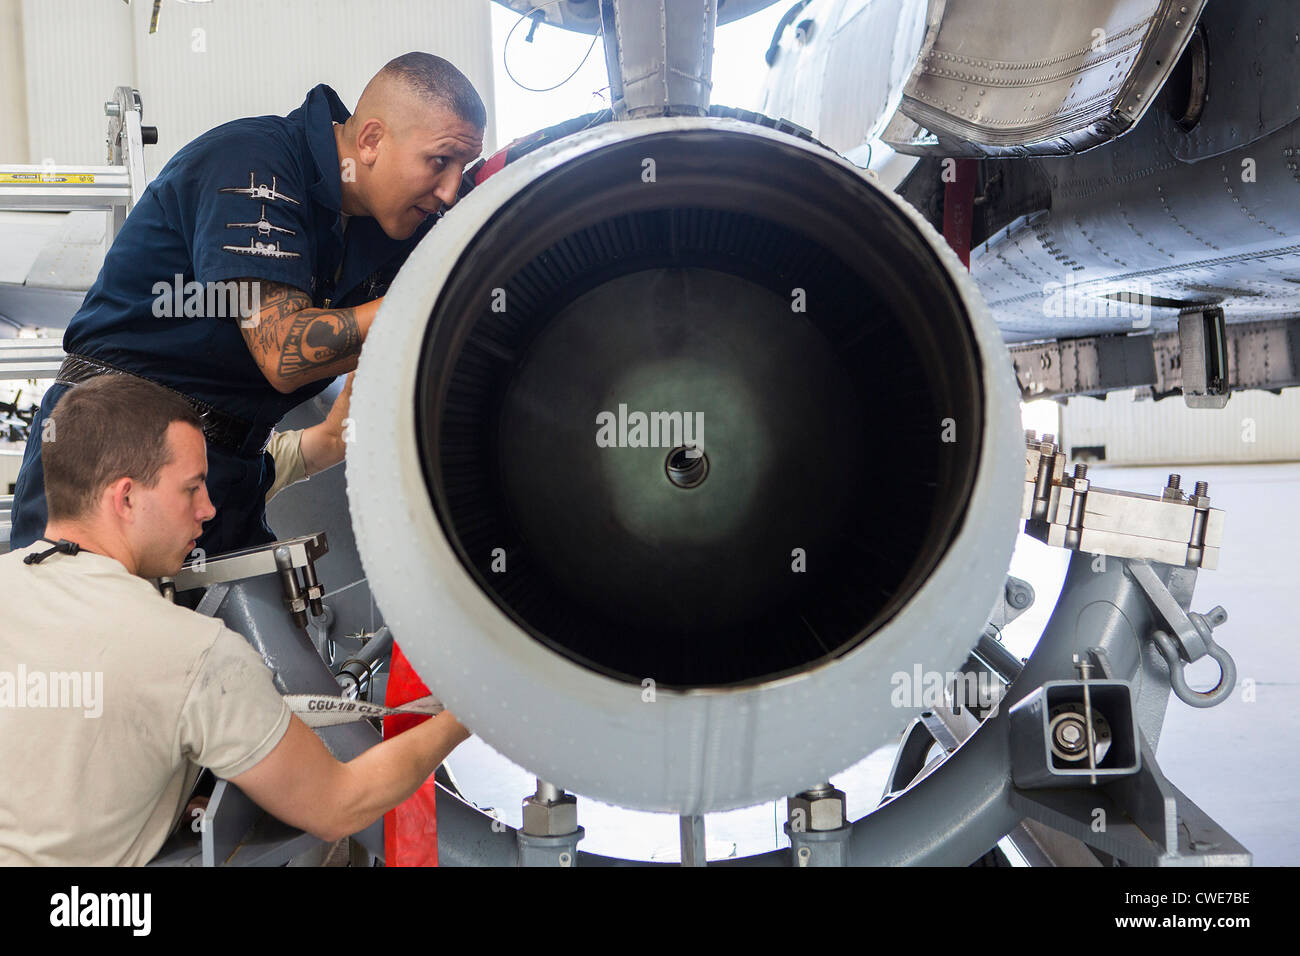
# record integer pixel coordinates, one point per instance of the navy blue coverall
(256, 198)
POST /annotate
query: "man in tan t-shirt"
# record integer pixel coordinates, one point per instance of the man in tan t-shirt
(111, 697)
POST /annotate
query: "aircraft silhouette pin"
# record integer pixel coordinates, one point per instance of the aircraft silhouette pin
(256, 190)
(263, 226)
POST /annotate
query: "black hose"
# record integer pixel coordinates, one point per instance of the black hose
(786, 20)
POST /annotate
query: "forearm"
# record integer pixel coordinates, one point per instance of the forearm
(319, 343)
(322, 447)
(389, 772)
(294, 344)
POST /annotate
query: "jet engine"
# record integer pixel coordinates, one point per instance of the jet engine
(679, 449)
(674, 441)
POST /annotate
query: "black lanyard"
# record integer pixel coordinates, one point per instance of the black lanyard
(62, 545)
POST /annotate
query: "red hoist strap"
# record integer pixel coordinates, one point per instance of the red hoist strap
(959, 205)
(410, 828)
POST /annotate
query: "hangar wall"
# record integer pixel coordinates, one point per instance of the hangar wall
(13, 103)
(1255, 426)
(213, 62)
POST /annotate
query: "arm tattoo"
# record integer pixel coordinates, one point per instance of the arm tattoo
(279, 302)
(318, 337)
(296, 339)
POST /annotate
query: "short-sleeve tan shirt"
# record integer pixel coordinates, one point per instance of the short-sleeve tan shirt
(111, 699)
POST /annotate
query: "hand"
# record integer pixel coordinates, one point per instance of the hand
(339, 410)
(324, 445)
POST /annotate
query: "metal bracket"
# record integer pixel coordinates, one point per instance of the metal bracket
(1105, 727)
(1202, 340)
(820, 847)
(1143, 820)
(1016, 598)
(1068, 512)
(561, 850)
(550, 834)
(249, 562)
(818, 827)
(278, 557)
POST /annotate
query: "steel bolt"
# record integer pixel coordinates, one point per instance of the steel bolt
(820, 808)
(1069, 735)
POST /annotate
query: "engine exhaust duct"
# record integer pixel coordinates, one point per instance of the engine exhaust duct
(628, 619)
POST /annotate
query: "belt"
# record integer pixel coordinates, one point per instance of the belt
(231, 432)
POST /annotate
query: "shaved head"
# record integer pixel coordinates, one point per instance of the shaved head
(407, 86)
(418, 124)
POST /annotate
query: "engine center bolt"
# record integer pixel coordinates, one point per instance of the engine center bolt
(1069, 735)
(687, 467)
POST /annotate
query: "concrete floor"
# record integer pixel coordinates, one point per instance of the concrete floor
(1229, 759)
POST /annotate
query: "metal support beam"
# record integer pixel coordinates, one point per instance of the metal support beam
(1258, 355)
(254, 608)
(1143, 820)
(692, 837)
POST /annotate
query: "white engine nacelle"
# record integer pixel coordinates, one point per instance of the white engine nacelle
(629, 620)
